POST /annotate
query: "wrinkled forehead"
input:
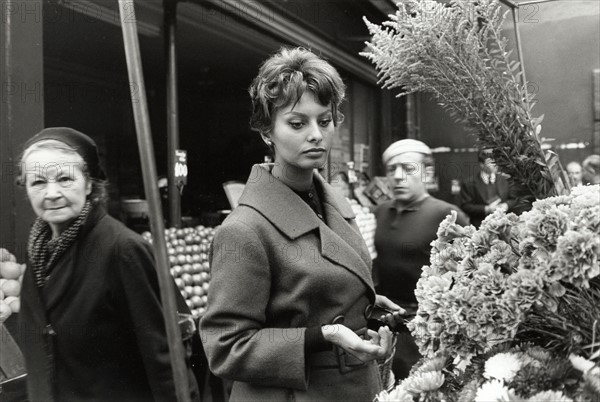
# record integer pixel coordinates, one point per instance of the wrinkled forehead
(52, 162)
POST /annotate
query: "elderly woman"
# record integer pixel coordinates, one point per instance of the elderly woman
(291, 287)
(91, 316)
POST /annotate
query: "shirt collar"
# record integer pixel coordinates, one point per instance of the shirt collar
(488, 178)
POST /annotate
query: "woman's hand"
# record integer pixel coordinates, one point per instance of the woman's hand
(393, 313)
(379, 345)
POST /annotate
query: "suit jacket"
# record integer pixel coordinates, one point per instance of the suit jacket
(472, 200)
(276, 270)
(96, 331)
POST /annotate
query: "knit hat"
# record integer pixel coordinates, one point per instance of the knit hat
(84, 145)
(402, 146)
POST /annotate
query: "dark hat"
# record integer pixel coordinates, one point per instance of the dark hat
(84, 145)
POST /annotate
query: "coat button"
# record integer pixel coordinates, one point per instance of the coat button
(368, 311)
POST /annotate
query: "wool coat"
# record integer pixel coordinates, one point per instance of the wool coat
(276, 270)
(95, 331)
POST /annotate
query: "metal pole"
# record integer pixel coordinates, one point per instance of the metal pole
(526, 3)
(170, 23)
(515, 14)
(144, 136)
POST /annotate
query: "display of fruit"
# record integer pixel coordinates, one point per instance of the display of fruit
(366, 222)
(188, 249)
(11, 277)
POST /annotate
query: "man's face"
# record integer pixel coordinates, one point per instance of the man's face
(575, 173)
(406, 177)
(489, 166)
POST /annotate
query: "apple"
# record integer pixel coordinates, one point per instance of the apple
(9, 270)
(177, 270)
(11, 287)
(196, 268)
(187, 268)
(187, 279)
(196, 301)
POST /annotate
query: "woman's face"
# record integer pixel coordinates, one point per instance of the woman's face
(302, 134)
(56, 186)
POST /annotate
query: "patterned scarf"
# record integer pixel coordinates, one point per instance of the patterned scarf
(44, 251)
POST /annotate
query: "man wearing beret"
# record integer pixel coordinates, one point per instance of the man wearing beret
(406, 226)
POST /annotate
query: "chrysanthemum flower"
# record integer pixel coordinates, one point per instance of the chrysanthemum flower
(503, 366)
(424, 382)
(493, 391)
(398, 394)
(549, 396)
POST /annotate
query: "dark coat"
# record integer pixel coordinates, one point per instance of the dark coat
(276, 270)
(96, 330)
(472, 197)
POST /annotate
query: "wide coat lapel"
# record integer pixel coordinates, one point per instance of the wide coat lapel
(340, 242)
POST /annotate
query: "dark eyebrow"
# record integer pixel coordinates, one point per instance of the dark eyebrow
(296, 113)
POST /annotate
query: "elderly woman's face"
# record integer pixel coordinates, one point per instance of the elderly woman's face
(302, 134)
(56, 186)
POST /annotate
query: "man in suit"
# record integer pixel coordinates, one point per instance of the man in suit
(486, 191)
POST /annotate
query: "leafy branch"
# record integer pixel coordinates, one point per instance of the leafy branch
(457, 53)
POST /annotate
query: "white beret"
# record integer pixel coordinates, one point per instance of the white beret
(402, 146)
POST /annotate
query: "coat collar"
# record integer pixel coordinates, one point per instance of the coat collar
(284, 208)
(341, 242)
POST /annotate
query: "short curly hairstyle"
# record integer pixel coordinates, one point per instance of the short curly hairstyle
(282, 80)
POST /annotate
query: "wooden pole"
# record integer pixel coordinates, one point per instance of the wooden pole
(144, 136)
(170, 24)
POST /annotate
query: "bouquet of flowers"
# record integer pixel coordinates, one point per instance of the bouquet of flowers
(511, 311)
